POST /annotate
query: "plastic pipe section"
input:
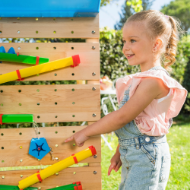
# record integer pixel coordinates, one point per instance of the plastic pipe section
(34, 70)
(16, 118)
(51, 170)
(74, 186)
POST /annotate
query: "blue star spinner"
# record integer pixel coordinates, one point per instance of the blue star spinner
(39, 147)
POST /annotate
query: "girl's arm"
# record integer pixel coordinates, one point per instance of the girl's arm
(117, 150)
(147, 90)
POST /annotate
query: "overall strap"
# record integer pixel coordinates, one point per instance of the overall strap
(160, 68)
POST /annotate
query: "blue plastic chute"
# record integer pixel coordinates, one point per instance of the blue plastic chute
(2, 49)
(11, 50)
(49, 8)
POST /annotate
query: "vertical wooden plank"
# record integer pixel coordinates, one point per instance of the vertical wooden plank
(94, 82)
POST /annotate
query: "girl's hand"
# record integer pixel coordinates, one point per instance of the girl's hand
(79, 138)
(115, 163)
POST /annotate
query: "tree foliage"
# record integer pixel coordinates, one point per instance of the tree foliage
(105, 2)
(128, 10)
(135, 4)
(185, 48)
(179, 9)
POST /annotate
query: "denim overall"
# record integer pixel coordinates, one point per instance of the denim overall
(145, 159)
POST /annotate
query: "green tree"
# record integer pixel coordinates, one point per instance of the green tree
(179, 9)
(135, 4)
(105, 2)
(128, 10)
(185, 46)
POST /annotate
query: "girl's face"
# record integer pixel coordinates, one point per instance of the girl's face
(137, 44)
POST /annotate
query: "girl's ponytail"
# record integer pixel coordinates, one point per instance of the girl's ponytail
(171, 47)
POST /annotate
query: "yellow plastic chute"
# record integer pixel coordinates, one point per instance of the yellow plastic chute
(37, 69)
(51, 170)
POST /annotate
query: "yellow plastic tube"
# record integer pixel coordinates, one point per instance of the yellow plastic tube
(37, 69)
(51, 170)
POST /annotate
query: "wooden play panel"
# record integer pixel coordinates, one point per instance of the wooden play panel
(52, 103)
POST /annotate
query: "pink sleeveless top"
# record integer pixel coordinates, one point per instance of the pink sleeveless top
(155, 118)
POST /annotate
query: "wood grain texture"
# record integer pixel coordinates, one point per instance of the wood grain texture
(50, 27)
(12, 139)
(52, 103)
(90, 60)
(85, 175)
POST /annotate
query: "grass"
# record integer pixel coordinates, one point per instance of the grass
(178, 140)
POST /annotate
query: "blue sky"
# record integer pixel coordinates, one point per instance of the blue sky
(109, 14)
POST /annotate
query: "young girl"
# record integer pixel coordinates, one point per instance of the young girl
(147, 103)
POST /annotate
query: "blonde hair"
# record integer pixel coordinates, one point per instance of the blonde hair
(163, 26)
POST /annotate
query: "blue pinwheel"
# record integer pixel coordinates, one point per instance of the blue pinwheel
(39, 148)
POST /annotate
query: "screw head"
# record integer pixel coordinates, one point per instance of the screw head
(21, 160)
(93, 88)
(93, 74)
(95, 156)
(93, 47)
(93, 32)
(57, 174)
(94, 115)
(94, 172)
(21, 176)
(3, 177)
(56, 145)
